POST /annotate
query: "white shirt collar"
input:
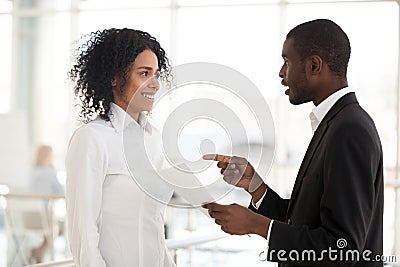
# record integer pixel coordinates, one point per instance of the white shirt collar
(319, 112)
(119, 119)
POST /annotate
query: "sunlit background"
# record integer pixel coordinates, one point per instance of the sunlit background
(37, 38)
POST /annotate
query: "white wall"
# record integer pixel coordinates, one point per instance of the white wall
(14, 150)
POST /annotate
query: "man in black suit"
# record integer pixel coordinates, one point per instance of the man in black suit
(335, 214)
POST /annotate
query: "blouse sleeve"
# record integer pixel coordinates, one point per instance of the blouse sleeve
(86, 164)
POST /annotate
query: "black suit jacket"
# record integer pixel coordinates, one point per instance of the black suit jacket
(337, 199)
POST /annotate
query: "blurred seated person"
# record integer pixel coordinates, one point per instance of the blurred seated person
(43, 180)
(43, 175)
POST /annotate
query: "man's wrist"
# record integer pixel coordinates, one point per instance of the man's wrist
(261, 226)
(258, 193)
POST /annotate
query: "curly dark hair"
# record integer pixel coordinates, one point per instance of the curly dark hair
(325, 38)
(103, 56)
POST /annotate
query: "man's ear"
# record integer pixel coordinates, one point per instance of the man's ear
(114, 82)
(316, 64)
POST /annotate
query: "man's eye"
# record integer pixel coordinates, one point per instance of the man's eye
(144, 73)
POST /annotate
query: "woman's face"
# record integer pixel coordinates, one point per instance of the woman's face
(140, 87)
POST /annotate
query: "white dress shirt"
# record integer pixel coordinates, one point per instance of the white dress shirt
(316, 116)
(319, 112)
(111, 221)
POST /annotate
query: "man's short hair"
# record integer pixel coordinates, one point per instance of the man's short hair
(326, 39)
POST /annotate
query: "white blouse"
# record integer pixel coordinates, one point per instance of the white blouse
(111, 221)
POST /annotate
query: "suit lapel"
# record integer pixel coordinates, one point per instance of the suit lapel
(314, 143)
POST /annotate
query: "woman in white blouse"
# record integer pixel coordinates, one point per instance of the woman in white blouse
(111, 221)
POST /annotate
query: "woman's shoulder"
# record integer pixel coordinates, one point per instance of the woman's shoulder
(95, 125)
(91, 130)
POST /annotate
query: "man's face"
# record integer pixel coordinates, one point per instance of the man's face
(293, 74)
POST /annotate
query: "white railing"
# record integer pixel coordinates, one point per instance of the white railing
(172, 244)
(62, 263)
(393, 183)
(193, 241)
(31, 196)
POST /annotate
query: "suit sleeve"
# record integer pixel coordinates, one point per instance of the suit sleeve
(351, 163)
(272, 206)
(86, 168)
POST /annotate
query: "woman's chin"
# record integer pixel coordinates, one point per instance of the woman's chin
(148, 109)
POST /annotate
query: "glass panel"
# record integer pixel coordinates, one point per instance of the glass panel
(5, 6)
(320, 1)
(42, 89)
(5, 62)
(117, 4)
(389, 220)
(54, 4)
(154, 21)
(238, 37)
(224, 2)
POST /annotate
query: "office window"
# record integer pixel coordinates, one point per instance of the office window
(38, 38)
(155, 21)
(5, 62)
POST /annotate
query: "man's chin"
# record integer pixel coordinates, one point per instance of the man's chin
(296, 101)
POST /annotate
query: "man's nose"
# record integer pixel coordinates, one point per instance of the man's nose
(281, 73)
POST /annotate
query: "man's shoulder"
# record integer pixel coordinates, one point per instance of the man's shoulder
(353, 114)
(353, 120)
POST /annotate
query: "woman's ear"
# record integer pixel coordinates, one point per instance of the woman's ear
(114, 82)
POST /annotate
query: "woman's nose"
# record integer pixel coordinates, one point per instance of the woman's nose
(154, 83)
